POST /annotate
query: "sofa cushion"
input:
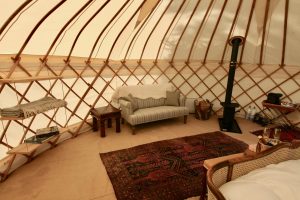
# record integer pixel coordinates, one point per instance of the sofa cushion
(172, 98)
(132, 100)
(149, 102)
(156, 113)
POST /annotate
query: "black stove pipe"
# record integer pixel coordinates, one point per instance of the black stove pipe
(228, 123)
(235, 42)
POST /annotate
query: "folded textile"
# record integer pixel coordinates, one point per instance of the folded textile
(32, 108)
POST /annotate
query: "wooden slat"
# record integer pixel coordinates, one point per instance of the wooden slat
(12, 118)
(28, 79)
(24, 149)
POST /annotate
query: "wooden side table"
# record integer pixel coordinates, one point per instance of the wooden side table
(282, 112)
(101, 114)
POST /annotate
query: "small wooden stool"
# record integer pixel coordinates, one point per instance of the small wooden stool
(105, 113)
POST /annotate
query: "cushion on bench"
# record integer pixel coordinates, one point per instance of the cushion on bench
(156, 113)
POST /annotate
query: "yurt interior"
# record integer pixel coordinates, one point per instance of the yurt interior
(149, 99)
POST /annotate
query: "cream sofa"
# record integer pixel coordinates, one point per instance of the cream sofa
(141, 104)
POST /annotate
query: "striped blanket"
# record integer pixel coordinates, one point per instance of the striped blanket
(32, 108)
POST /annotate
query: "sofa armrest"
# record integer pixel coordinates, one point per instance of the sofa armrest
(126, 107)
(182, 100)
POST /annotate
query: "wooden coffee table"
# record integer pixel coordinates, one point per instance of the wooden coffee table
(101, 114)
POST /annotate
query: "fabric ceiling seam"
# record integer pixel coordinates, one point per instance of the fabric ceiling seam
(36, 27)
(183, 31)
(155, 26)
(237, 82)
(202, 63)
(64, 27)
(237, 12)
(282, 64)
(104, 29)
(90, 86)
(111, 23)
(112, 26)
(12, 16)
(175, 24)
(19, 14)
(124, 27)
(179, 40)
(199, 29)
(264, 32)
(134, 39)
(105, 65)
(214, 31)
(165, 35)
(161, 43)
(147, 40)
(140, 27)
(192, 47)
(84, 26)
(71, 26)
(209, 12)
(88, 64)
(247, 31)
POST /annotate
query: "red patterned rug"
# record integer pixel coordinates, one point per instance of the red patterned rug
(169, 169)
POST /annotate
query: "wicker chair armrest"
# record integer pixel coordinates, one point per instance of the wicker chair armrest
(231, 169)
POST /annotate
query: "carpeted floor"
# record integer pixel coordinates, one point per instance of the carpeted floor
(168, 169)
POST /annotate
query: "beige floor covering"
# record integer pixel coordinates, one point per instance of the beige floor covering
(74, 171)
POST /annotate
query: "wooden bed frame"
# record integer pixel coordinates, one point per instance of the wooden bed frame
(231, 169)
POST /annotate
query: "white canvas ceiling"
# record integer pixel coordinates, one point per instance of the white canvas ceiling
(197, 29)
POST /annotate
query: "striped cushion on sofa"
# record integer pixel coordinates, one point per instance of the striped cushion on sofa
(149, 102)
(156, 113)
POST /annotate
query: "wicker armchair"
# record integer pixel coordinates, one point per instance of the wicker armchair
(231, 169)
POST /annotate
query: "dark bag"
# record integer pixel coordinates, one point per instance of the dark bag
(274, 98)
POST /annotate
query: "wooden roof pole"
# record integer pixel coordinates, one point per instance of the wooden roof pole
(139, 29)
(17, 57)
(165, 35)
(214, 31)
(286, 14)
(104, 29)
(90, 86)
(264, 32)
(147, 40)
(177, 44)
(155, 26)
(199, 29)
(12, 16)
(64, 27)
(114, 43)
(131, 42)
(84, 26)
(247, 30)
(191, 49)
(230, 32)
(102, 68)
(183, 31)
